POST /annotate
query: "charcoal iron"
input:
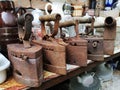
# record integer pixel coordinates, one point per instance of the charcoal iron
(26, 59)
(76, 51)
(54, 55)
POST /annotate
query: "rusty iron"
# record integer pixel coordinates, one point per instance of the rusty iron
(95, 48)
(109, 35)
(27, 64)
(53, 52)
(95, 44)
(26, 58)
(76, 51)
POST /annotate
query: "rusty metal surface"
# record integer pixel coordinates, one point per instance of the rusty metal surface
(109, 35)
(95, 48)
(109, 47)
(54, 56)
(27, 64)
(76, 51)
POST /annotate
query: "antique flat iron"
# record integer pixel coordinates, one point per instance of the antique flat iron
(95, 44)
(53, 52)
(109, 34)
(26, 58)
(76, 51)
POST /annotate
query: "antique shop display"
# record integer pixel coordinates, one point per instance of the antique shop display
(26, 58)
(53, 51)
(8, 24)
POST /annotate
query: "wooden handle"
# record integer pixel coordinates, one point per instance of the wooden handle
(67, 23)
(83, 19)
(51, 17)
(70, 23)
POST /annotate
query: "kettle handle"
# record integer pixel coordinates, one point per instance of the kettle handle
(92, 74)
(46, 8)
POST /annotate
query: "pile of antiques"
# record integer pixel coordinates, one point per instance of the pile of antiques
(36, 41)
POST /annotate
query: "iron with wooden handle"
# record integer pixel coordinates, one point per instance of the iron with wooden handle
(53, 17)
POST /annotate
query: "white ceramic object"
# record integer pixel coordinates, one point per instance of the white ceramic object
(104, 72)
(57, 7)
(4, 64)
(86, 79)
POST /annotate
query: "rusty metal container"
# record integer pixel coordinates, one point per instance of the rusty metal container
(75, 46)
(54, 55)
(27, 64)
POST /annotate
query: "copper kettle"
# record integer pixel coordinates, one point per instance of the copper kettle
(8, 24)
